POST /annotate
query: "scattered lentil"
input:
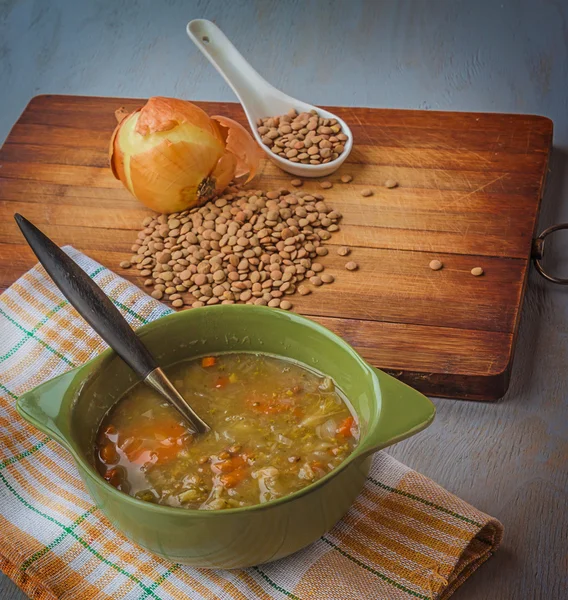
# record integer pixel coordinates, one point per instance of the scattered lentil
(477, 271)
(435, 265)
(125, 264)
(343, 251)
(351, 266)
(390, 183)
(346, 178)
(327, 278)
(366, 192)
(296, 182)
(325, 185)
(244, 246)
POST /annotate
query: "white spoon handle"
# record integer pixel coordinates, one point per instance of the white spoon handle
(258, 97)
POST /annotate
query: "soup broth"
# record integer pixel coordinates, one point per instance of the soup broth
(276, 428)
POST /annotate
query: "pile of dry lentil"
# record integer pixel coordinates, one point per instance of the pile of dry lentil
(245, 246)
(303, 138)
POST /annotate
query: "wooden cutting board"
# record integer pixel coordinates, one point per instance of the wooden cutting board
(469, 191)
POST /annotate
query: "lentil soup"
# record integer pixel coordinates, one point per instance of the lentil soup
(276, 428)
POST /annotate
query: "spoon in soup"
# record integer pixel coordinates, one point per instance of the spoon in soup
(259, 98)
(101, 314)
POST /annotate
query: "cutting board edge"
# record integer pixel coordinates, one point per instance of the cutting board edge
(489, 388)
(519, 115)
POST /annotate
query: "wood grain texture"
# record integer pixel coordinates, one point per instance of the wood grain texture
(469, 194)
(508, 458)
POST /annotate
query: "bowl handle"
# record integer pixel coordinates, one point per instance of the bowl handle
(403, 412)
(45, 409)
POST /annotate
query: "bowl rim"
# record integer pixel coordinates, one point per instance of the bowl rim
(94, 365)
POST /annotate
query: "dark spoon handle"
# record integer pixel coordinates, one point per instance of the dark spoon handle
(89, 300)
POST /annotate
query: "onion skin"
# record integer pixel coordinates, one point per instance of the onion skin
(241, 144)
(172, 156)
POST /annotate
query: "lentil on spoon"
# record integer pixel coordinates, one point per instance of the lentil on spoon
(303, 138)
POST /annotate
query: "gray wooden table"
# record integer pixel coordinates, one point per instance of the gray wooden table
(510, 458)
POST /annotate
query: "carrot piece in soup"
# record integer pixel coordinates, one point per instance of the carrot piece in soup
(156, 441)
(232, 479)
(155, 429)
(142, 456)
(345, 427)
(114, 477)
(231, 471)
(165, 455)
(157, 456)
(208, 361)
(109, 454)
(231, 464)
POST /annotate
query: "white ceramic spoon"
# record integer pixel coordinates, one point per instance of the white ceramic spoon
(258, 97)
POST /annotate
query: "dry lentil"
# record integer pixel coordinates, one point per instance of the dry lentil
(390, 183)
(125, 264)
(244, 246)
(351, 266)
(343, 250)
(366, 192)
(325, 185)
(346, 178)
(435, 265)
(477, 271)
(303, 138)
(296, 182)
(327, 278)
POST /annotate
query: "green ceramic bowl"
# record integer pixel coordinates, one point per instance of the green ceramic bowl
(71, 407)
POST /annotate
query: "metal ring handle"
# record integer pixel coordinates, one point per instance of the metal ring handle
(537, 253)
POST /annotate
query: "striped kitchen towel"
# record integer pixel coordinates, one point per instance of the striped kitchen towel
(405, 537)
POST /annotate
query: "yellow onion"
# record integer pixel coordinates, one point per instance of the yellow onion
(171, 155)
